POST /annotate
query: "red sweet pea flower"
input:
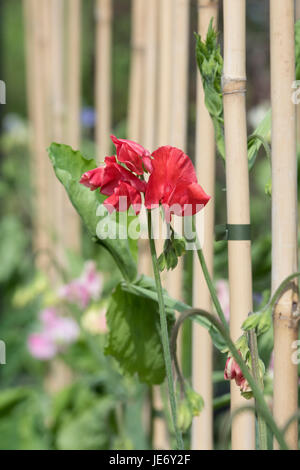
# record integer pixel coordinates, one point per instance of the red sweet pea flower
(233, 372)
(173, 183)
(114, 180)
(135, 157)
(123, 197)
(109, 176)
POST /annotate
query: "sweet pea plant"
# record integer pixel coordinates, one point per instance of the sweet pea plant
(140, 317)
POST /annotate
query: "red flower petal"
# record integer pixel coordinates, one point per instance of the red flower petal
(173, 183)
(93, 179)
(132, 154)
(108, 177)
(123, 197)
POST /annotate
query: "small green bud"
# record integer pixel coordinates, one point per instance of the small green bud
(251, 322)
(196, 401)
(184, 416)
(265, 322)
(243, 347)
(161, 262)
(171, 259)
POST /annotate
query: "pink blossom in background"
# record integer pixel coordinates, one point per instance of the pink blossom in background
(223, 296)
(41, 346)
(56, 333)
(85, 288)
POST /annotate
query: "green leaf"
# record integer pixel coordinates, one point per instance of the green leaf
(145, 287)
(89, 430)
(134, 335)
(69, 165)
(261, 136)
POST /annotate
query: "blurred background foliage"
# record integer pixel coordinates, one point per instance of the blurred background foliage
(99, 408)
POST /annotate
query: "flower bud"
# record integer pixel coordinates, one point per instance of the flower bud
(196, 401)
(251, 322)
(265, 322)
(184, 416)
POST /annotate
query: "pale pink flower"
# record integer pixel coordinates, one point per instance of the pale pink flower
(41, 346)
(56, 333)
(85, 288)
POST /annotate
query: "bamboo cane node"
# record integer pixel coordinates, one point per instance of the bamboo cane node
(292, 319)
(231, 86)
(209, 4)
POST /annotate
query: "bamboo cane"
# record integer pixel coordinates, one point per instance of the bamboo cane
(179, 105)
(149, 136)
(165, 73)
(150, 76)
(103, 77)
(56, 123)
(136, 101)
(297, 13)
(284, 212)
(72, 86)
(135, 106)
(239, 252)
(36, 45)
(202, 430)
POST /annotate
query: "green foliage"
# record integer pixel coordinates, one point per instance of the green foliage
(174, 247)
(145, 287)
(69, 165)
(210, 64)
(134, 338)
(87, 430)
(261, 136)
(13, 247)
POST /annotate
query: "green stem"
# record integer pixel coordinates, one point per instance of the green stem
(208, 279)
(263, 408)
(211, 288)
(262, 428)
(279, 290)
(164, 334)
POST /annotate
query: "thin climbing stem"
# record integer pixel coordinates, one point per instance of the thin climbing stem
(164, 334)
(208, 279)
(262, 407)
(262, 428)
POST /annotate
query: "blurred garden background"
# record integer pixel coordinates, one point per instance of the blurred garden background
(58, 390)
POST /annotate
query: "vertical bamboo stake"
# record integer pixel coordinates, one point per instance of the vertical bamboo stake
(202, 430)
(165, 73)
(36, 45)
(150, 76)
(103, 77)
(72, 87)
(239, 252)
(56, 121)
(149, 136)
(135, 111)
(136, 100)
(297, 11)
(284, 212)
(179, 94)
(179, 101)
